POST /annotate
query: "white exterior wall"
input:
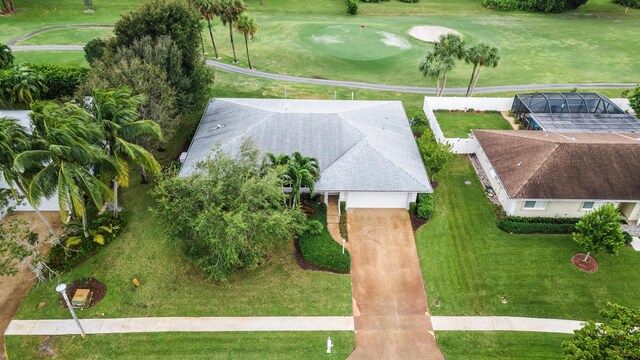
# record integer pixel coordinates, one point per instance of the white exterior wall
(496, 184)
(379, 200)
(567, 208)
(465, 103)
(45, 205)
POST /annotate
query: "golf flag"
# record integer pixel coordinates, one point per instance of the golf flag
(363, 26)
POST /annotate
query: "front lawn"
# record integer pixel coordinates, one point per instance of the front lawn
(468, 264)
(222, 345)
(503, 345)
(172, 286)
(460, 124)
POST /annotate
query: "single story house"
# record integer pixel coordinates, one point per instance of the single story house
(366, 150)
(539, 173)
(22, 116)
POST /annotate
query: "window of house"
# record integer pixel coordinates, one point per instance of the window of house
(588, 205)
(535, 205)
(492, 173)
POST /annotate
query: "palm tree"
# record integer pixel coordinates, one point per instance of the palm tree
(6, 57)
(303, 173)
(248, 27)
(14, 140)
(208, 9)
(449, 46)
(22, 85)
(436, 66)
(64, 160)
(115, 113)
(229, 12)
(480, 55)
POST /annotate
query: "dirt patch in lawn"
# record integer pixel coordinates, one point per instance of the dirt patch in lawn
(591, 265)
(98, 290)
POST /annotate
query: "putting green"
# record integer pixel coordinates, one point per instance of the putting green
(352, 42)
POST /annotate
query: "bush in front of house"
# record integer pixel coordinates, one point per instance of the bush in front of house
(515, 227)
(542, 219)
(424, 208)
(320, 249)
(343, 221)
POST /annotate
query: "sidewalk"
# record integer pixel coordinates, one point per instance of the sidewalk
(278, 323)
(181, 324)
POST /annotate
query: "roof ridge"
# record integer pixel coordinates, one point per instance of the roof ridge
(250, 128)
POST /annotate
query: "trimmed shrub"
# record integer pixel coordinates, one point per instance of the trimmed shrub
(352, 7)
(531, 228)
(412, 209)
(630, 3)
(540, 219)
(61, 81)
(627, 238)
(424, 209)
(321, 249)
(343, 221)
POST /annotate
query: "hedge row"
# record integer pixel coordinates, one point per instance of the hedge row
(534, 5)
(321, 249)
(62, 81)
(540, 219)
(515, 227)
(343, 220)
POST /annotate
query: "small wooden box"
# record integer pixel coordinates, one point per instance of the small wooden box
(81, 298)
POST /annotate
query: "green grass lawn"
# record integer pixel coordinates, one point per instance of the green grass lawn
(73, 36)
(51, 57)
(231, 345)
(503, 345)
(290, 39)
(459, 124)
(468, 264)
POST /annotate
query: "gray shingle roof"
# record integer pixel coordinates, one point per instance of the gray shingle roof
(361, 145)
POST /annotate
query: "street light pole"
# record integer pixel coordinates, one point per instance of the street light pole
(62, 290)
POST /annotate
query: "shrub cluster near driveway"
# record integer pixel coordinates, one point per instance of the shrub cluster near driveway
(321, 249)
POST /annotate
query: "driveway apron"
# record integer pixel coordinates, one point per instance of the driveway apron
(390, 305)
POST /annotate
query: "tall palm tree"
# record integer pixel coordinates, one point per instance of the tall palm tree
(229, 12)
(436, 67)
(115, 113)
(248, 27)
(22, 86)
(209, 9)
(6, 57)
(480, 55)
(303, 173)
(64, 159)
(449, 46)
(14, 140)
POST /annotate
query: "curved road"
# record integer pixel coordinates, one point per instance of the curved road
(362, 85)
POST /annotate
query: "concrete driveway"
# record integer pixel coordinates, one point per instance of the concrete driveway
(390, 305)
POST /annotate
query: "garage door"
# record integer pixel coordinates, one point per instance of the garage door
(377, 200)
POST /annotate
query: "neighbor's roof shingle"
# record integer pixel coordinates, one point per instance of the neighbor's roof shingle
(360, 145)
(544, 165)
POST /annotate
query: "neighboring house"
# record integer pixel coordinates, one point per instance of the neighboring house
(22, 116)
(366, 150)
(572, 112)
(537, 173)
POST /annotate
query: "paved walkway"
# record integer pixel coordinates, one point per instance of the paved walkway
(391, 316)
(34, 33)
(283, 323)
(182, 324)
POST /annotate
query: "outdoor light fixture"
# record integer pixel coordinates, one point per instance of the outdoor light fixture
(62, 290)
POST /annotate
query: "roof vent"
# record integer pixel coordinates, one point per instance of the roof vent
(520, 163)
(219, 126)
(573, 138)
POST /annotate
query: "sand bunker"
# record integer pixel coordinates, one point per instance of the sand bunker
(390, 39)
(326, 39)
(430, 33)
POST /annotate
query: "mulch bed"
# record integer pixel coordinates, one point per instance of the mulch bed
(417, 222)
(305, 265)
(98, 290)
(590, 266)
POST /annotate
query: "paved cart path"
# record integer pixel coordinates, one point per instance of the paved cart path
(362, 85)
(282, 323)
(34, 33)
